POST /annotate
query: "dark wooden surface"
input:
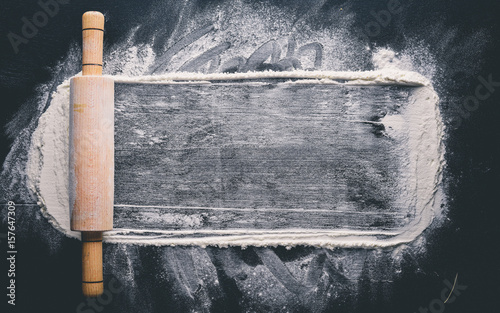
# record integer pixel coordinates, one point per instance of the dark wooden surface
(458, 40)
(258, 156)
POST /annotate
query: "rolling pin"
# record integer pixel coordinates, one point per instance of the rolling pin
(91, 153)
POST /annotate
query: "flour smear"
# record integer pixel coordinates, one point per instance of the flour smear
(48, 161)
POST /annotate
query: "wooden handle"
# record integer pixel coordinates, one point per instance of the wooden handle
(92, 280)
(93, 34)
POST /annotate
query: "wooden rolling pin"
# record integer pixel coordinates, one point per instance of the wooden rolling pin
(92, 153)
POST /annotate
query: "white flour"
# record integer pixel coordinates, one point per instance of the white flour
(48, 163)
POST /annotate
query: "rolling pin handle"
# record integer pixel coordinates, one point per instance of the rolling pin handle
(92, 278)
(93, 34)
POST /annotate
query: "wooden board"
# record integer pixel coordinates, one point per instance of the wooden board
(258, 156)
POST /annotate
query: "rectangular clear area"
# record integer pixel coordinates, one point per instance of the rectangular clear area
(260, 156)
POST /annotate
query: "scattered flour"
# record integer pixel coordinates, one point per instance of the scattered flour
(48, 164)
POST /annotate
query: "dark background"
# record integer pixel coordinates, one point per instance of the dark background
(48, 278)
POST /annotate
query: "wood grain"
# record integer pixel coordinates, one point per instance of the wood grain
(93, 34)
(91, 153)
(92, 278)
(258, 156)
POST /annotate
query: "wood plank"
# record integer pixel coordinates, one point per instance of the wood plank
(257, 156)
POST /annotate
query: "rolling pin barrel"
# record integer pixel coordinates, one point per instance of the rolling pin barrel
(92, 153)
